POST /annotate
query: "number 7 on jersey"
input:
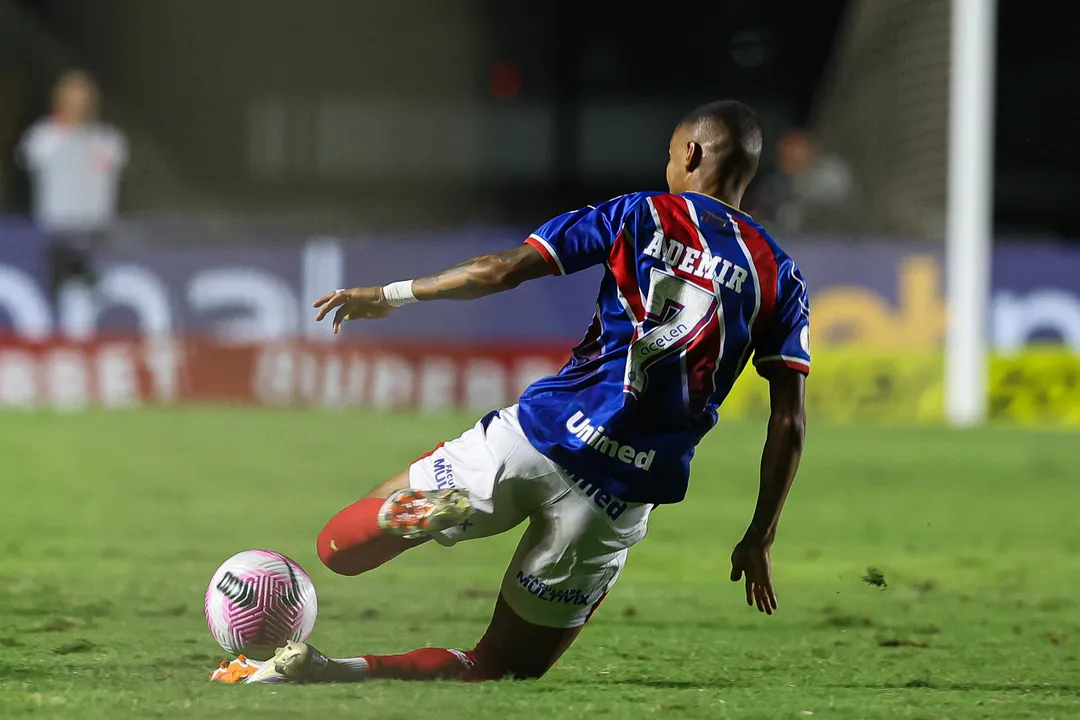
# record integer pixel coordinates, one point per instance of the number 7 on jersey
(676, 311)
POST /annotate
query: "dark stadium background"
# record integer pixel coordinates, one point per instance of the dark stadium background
(184, 73)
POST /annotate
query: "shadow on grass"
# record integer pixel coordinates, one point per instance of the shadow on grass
(713, 684)
(625, 622)
(918, 684)
(1059, 688)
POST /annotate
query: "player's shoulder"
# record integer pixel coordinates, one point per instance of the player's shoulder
(783, 257)
(789, 275)
(630, 201)
(637, 197)
(622, 209)
(790, 280)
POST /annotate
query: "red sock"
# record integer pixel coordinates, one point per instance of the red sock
(425, 664)
(353, 543)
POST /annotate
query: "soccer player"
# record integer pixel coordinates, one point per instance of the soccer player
(693, 289)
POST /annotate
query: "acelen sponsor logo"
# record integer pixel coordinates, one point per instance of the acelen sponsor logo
(663, 340)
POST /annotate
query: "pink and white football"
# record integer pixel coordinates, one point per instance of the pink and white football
(257, 601)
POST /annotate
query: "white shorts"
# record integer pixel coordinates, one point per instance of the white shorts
(578, 536)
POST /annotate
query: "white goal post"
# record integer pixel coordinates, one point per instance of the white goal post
(969, 225)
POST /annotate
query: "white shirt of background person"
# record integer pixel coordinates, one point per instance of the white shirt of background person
(74, 161)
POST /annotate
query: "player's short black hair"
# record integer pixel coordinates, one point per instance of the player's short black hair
(742, 128)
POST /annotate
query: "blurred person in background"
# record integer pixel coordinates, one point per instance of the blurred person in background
(74, 161)
(807, 187)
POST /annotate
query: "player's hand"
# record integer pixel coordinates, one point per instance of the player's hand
(362, 303)
(751, 561)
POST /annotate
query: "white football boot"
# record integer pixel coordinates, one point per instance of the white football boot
(301, 663)
(236, 671)
(413, 513)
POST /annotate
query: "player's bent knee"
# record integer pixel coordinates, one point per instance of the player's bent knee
(514, 648)
(355, 558)
(353, 543)
(345, 544)
(332, 557)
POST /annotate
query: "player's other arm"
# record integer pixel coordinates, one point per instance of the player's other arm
(468, 280)
(783, 450)
(781, 356)
(779, 463)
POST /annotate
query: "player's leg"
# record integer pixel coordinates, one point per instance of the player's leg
(569, 558)
(429, 496)
(376, 529)
(352, 542)
(566, 562)
(511, 648)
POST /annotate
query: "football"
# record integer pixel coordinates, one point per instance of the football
(257, 601)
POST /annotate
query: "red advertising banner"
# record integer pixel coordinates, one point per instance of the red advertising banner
(128, 372)
(1035, 387)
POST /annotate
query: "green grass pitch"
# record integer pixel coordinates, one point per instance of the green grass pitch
(111, 524)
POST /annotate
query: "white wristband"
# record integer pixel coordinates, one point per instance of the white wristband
(399, 293)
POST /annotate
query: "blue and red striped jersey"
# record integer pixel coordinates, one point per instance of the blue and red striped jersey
(692, 289)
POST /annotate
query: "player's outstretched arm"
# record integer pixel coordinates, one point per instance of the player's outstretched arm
(779, 463)
(475, 278)
(483, 275)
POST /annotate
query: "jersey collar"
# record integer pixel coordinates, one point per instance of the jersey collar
(732, 207)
